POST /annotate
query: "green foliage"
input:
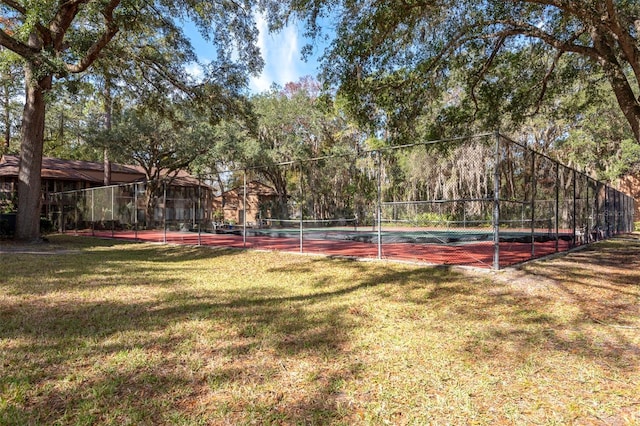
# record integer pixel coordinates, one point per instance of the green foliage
(602, 143)
(11, 89)
(46, 226)
(431, 218)
(471, 64)
(218, 215)
(158, 140)
(7, 202)
(57, 39)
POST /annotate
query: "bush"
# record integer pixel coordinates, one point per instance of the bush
(423, 219)
(218, 216)
(637, 226)
(7, 224)
(4, 227)
(46, 226)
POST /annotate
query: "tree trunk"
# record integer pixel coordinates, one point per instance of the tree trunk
(31, 147)
(107, 168)
(628, 103)
(108, 106)
(6, 100)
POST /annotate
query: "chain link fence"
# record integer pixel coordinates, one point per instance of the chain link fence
(484, 201)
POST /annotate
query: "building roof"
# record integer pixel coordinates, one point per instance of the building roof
(89, 171)
(253, 187)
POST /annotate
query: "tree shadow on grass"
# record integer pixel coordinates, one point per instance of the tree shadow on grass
(584, 303)
(114, 264)
(52, 339)
(263, 354)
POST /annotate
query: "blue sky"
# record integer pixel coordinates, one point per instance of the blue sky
(281, 52)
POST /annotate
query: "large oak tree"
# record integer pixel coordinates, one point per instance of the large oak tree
(59, 38)
(392, 58)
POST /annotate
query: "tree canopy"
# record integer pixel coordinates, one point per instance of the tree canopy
(395, 59)
(57, 39)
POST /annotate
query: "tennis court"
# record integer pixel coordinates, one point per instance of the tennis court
(469, 247)
(484, 201)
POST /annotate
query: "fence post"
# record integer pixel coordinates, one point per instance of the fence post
(196, 217)
(164, 211)
(379, 204)
(301, 208)
(135, 211)
(113, 207)
(607, 209)
(77, 212)
(93, 222)
(496, 204)
(533, 202)
(244, 208)
(575, 242)
(587, 209)
(557, 226)
(616, 205)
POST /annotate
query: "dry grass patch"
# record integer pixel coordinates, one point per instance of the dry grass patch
(112, 333)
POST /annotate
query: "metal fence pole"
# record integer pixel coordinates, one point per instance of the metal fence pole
(196, 217)
(607, 208)
(135, 211)
(164, 212)
(557, 207)
(301, 208)
(113, 211)
(91, 191)
(93, 222)
(626, 213)
(379, 204)
(616, 206)
(573, 172)
(600, 204)
(623, 213)
(496, 204)
(632, 212)
(244, 208)
(588, 213)
(629, 214)
(533, 202)
(77, 213)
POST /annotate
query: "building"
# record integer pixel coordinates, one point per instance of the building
(630, 184)
(74, 175)
(230, 206)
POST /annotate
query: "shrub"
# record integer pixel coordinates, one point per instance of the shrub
(431, 218)
(7, 224)
(46, 226)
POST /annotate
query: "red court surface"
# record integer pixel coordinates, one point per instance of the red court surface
(477, 254)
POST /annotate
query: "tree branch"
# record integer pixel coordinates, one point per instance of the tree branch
(485, 67)
(522, 28)
(545, 80)
(96, 48)
(17, 46)
(44, 31)
(628, 44)
(579, 11)
(15, 6)
(62, 21)
(166, 75)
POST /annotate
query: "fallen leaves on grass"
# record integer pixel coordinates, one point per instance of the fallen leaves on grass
(144, 334)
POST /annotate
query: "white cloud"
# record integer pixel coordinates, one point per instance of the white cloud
(281, 54)
(195, 71)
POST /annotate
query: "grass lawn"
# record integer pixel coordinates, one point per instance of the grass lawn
(105, 332)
